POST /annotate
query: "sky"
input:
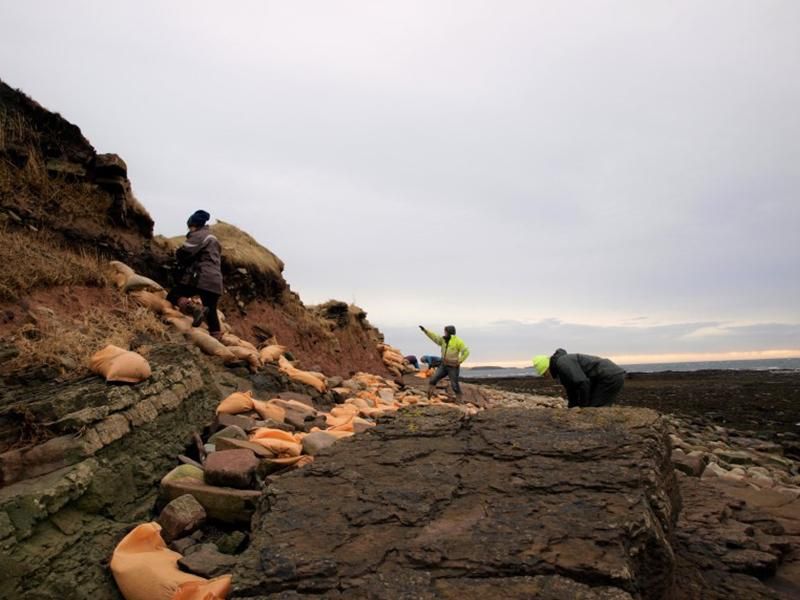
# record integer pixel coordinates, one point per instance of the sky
(613, 177)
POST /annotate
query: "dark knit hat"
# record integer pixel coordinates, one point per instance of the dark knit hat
(198, 218)
(450, 330)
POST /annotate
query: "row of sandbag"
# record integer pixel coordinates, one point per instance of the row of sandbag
(229, 347)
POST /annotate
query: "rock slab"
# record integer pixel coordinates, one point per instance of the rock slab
(431, 503)
(231, 468)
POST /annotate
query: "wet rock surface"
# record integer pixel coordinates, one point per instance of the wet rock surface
(432, 501)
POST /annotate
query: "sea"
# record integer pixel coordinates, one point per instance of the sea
(771, 364)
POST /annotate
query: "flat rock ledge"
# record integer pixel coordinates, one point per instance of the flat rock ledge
(509, 503)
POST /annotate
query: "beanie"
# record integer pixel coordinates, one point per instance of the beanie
(198, 218)
(541, 363)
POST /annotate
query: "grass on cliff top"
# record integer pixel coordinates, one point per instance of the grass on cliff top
(67, 343)
(241, 250)
(34, 260)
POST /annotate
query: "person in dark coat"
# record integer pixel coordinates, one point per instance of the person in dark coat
(588, 380)
(199, 272)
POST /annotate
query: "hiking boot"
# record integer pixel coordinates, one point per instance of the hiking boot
(459, 398)
(430, 391)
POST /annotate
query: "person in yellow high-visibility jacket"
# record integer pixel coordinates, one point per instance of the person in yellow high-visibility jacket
(454, 352)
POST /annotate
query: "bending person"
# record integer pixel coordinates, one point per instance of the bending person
(200, 273)
(454, 352)
(588, 380)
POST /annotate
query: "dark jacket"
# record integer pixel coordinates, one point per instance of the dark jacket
(200, 258)
(579, 372)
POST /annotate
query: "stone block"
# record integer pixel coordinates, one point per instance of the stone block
(180, 517)
(231, 468)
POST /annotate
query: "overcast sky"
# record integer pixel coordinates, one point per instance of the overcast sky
(617, 177)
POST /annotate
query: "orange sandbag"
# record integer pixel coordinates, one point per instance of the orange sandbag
(269, 410)
(209, 345)
(344, 410)
(180, 322)
(145, 569)
(237, 402)
(155, 302)
(251, 356)
(306, 378)
(279, 447)
(271, 353)
(232, 340)
(270, 432)
(119, 365)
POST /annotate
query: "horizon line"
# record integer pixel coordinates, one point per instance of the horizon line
(686, 357)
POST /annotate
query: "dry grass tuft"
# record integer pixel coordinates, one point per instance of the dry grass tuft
(68, 345)
(241, 250)
(33, 260)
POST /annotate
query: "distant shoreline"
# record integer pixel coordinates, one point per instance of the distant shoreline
(758, 365)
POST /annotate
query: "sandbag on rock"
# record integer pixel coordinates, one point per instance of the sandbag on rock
(251, 356)
(119, 365)
(232, 340)
(279, 447)
(209, 345)
(145, 569)
(306, 378)
(269, 432)
(270, 410)
(271, 354)
(235, 403)
(155, 302)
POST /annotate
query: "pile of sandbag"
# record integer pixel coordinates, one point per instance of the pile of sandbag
(118, 365)
(394, 360)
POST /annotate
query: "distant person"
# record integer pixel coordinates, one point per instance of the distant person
(199, 273)
(588, 380)
(430, 360)
(454, 352)
(412, 360)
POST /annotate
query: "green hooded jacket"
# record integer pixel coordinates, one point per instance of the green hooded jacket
(454, 350)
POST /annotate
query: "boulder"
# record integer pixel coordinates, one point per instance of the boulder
(431, 502)
(316, 441)
(692, 464)
(231, 468)
(180, 517)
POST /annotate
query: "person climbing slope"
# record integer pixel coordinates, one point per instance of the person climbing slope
(199, 273)
(454, 352)
(588, 380)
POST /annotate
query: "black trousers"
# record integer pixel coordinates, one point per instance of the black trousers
(209, 300)
(605, 391)
(447, 371)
